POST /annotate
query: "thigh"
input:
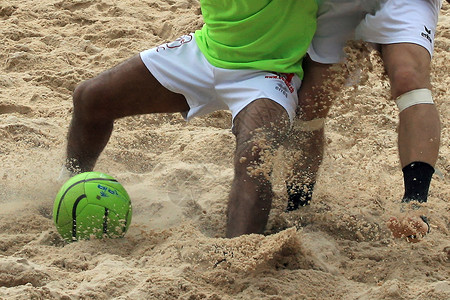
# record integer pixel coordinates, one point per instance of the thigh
(263, 120)
(320, 85)
(129, 89)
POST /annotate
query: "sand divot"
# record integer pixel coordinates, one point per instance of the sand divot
(15, 271)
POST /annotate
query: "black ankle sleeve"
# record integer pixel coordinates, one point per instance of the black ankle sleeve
(299, 195)
(417, 177)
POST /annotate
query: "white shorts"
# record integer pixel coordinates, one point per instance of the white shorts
(375, 21)
(182, 68)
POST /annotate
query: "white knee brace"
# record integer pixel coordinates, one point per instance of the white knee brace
(312, 125)
(414, 97)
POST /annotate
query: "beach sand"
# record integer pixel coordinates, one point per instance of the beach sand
(178, 175)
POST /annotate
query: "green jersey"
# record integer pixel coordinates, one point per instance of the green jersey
(270, 35)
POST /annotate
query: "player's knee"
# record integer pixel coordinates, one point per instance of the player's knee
(247, 149)
(89, 99)
(81, 96)
(406, 79)
(249, 156)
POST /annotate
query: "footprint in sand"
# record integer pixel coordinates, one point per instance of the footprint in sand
(7, 11)
(16, 271)
(12, 108)
(74, 6)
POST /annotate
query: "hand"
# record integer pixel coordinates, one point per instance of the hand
(411, 227)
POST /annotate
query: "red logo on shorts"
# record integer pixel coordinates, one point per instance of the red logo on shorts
(286, 77)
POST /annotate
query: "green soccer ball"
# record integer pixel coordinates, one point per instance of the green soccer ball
(92, 205)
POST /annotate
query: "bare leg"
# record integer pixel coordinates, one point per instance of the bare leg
(125, 90)
(408, 68)
(259, 129)
(315, 99)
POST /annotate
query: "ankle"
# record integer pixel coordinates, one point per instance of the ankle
(417, 178)
(299, 195)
